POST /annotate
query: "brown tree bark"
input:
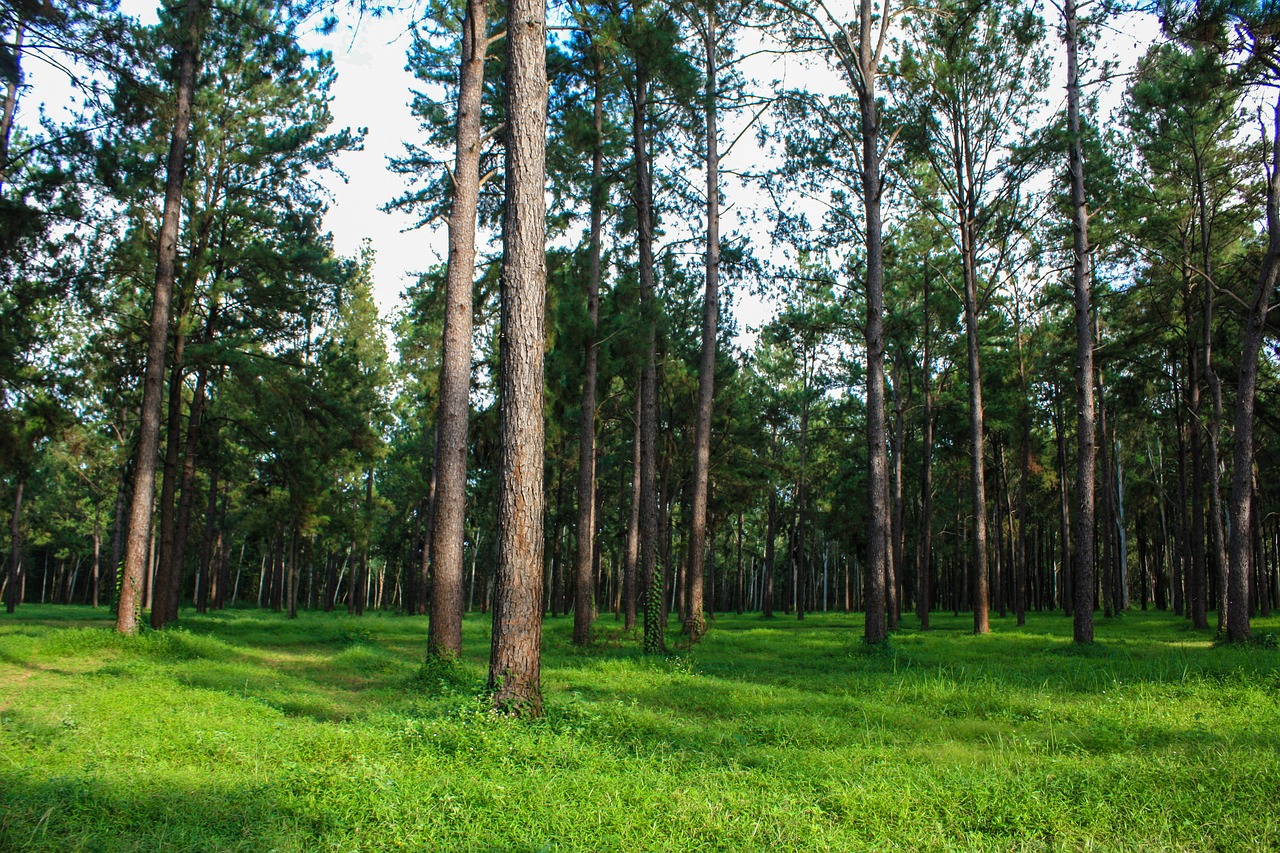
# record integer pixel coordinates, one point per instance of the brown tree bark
(864, 81)
(924, 551)
(444, 634)
(696, 624)
(651, 581)
(631, 559)
(14, 595)
(1238, 628)
(584, 598)
(165, 567)
(1085, 438)
(135, 558)
(515, 659)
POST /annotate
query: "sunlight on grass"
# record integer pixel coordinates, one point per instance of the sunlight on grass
(247, 731)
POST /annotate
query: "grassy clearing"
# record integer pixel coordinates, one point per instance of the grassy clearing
(246, 731)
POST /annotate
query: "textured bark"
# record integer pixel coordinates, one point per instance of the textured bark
(1241, 506)
(631, 559)
(1085, 439)
(1197, 583)
(444, 637)
(515, 660)
(771, 533)
(651, 581)
(166, 567)
(924, 551)
(1020, 572)
(584, 599)
(696, 625)
(205, 579)
(11, 90)
(875, 629)
(899, 536)
(977, 442)
(187, 493)
(135, 559)
(15, 551)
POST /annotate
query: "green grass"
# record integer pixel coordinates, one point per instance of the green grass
(247, 731)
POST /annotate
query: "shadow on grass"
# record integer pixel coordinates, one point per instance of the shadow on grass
(86, 813)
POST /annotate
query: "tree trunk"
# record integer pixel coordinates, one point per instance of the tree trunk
(630, 564)
(166, 567)
(875, 629)
(135, 559)
(515, 660)
(771, 533)
(1238, 629)
(444, 636)
(924, 551)
(1085, 440)
(584, 599)
(977, 443)
(15, 551)
(695, 626)
(651, 580)
(11, 90)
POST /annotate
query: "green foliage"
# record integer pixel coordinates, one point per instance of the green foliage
(249, 732)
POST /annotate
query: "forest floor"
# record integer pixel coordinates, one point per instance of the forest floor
(242, 730)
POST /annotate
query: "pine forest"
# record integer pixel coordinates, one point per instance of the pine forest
(796, 424)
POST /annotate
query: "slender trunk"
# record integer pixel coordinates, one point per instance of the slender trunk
(898, 539)
(977, 443)
(1197, 585)
(153, 381)
(695, 626)
(167, 567)
(876, 629)
(630, 564)
(771, 533)
(444, 637)
(798, 553)
(15, 550)
(1238, 628)
(583, 607)
(515, 659)
(1085, 440)
(11, 90)
(206, 544)
(651, 580)
(1181, 603)
(924, 551)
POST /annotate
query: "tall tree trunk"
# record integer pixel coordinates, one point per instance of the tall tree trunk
(977, 442)
(1238, 628)
(1197, 584)
(166, 566)
(771, 533)
(444, 636)
(875, 629)
(584, 599)
(651, 580)
(631, 560)
(1085, 439)
(924, 551)
(898, 538)
(135, 559)
(515, 660)
(695, 626)
(206, 576)
(798, 556)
